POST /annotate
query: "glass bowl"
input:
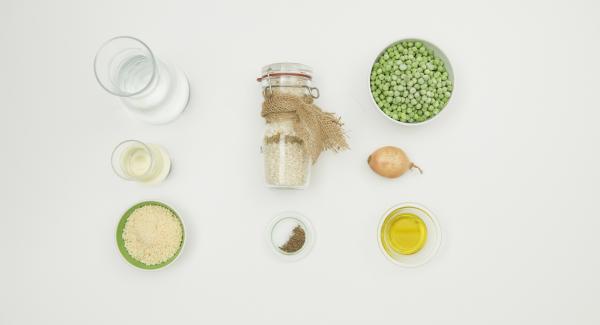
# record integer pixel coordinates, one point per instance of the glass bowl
(431, 245)
(280, 228)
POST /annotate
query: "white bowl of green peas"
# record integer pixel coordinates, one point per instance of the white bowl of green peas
(411, 81)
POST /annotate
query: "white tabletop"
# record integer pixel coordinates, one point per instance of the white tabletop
(511, 168)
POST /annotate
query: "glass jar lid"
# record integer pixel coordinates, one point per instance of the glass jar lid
(286, 69)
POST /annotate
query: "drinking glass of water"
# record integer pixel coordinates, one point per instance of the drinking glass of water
(150, 89)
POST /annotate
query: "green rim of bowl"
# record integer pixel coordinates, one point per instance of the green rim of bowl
(121, 242)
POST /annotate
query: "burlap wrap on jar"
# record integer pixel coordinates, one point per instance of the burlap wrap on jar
(319, 130)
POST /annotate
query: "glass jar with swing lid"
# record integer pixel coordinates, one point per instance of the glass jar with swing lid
(287, 163)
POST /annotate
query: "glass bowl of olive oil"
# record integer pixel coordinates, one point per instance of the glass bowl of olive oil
(409, 235)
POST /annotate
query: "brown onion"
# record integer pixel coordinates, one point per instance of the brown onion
(390, 162)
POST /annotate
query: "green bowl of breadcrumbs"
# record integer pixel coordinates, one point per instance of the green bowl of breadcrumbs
(411, 81)
(150, 235)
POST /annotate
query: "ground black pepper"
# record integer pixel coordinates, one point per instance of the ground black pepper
(295, 242)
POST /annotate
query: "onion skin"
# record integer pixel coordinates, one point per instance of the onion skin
(390, 162)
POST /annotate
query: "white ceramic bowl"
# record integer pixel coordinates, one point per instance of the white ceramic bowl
(437, 53)
(432, 244)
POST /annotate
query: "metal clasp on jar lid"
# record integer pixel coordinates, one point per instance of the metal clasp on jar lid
(268, 91)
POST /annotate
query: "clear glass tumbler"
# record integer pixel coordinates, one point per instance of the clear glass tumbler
(151, 90)
(134, 160)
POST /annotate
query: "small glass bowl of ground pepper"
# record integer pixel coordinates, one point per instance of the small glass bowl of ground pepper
(290, 235)
(411, 81)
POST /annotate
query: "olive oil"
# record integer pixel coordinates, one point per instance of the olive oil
(404, 233)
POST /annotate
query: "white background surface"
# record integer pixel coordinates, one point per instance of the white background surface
(511, 168)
